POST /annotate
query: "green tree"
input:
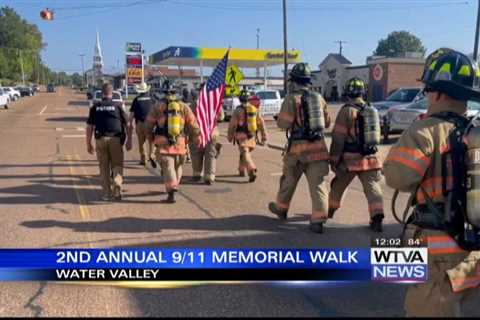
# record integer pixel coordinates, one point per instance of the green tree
(398, 43)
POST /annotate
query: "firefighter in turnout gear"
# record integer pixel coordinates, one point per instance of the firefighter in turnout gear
(355, 135)
(244, 126)
(141, 106)
(431, 161)
(204, 159)
(169, 124)
(305, 116)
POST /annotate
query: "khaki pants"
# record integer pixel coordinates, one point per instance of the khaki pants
(246, 160)
(171, 169)
(371, 187)
(436, 298)
(315, 173)
(110, 158)
(141, 131)
(204, 160)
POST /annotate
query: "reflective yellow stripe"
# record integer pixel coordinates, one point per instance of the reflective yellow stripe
(446, 67)
(464, 71)
(432, 66)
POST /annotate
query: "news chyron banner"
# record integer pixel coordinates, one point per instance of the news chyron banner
(134, 63)
(385, 264)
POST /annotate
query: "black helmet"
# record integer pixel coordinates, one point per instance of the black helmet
(243, 97)
(354, 88)
(452, 73)
(301, 73)
(168, 87)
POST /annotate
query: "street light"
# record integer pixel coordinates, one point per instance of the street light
(83, 70)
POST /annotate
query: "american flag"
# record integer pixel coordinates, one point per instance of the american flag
(210, 100)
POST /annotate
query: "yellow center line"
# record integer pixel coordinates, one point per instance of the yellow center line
(84, 212)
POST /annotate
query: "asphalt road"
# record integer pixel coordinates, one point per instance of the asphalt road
(49, 195)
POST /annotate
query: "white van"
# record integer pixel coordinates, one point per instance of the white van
(270, 102)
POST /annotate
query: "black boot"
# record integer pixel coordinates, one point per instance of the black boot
(171, 197)
(281, 214)
(252, 176)
(376, 223)
(152, 163)
(316, 227)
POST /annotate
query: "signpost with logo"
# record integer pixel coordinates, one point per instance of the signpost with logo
(134, 73)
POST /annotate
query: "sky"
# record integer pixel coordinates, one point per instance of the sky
(313, 26)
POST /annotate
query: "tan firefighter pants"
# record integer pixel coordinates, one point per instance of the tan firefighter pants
(141, 131)
(371, 187)
(172, 170)
(436, 298)
(315, 173)
(110, 157)
(203, 160)
(246, 161)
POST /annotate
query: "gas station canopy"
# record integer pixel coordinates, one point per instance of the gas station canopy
(210, 57)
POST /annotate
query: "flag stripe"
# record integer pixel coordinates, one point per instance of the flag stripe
(210, 100)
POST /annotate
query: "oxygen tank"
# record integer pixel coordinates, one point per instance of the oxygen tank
(251, 111)
(174, 120)
(371, 126)
(313, 104)
(472, 164)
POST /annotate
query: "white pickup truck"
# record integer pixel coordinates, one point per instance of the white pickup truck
(270, 102)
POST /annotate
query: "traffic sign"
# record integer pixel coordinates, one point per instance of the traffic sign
(233, 75)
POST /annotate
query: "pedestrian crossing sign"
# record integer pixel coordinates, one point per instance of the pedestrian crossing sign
(233, 75)
(232, 90)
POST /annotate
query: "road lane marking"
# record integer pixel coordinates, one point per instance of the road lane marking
(43, 110)
(84, 212)
(59, 129)
(73, 136)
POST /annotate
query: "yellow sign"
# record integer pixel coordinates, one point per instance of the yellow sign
(233, 75)
(232, 90)
(134, 72)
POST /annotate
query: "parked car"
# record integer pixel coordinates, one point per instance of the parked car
(35, 88)
(25, 91)
(229, 105)
(270, 102)
(117, 97)
(13, 93)
(50, 88)
(4, 99)
(401, 119)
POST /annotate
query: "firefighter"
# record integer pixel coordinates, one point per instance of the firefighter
(244, 126)
(204, 158)
(355, 137)
(141, 106)
(305, 116)
(169, 123)
(427, 162)
(108, 123)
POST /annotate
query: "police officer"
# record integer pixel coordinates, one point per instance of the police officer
(307, 152)
(422, 163)
(350, 160)
(244, 125)
(108, 122)
(141, 106)
(173, 121)
(204, 158)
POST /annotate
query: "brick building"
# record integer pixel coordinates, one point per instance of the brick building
(389, 74)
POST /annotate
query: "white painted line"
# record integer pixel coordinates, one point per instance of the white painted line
(73, 136)
(80, 129)
(43, 110)
(276, 174)
(59, 129)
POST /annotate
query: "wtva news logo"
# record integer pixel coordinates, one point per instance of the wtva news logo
(399, 264)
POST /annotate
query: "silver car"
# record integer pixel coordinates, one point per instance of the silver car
(401, 119)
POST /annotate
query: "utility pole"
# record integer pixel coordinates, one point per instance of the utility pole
(83, 71)
(341, 42)
(285, 47)
(21, 66)
(258, 47)
(475, 48)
